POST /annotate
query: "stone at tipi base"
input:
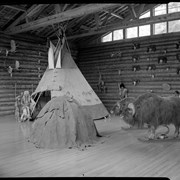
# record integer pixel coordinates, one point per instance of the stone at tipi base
(63, 123)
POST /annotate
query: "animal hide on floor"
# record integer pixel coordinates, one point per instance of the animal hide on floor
(63, 123)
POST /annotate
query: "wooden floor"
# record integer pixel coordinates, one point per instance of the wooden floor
(120, 155)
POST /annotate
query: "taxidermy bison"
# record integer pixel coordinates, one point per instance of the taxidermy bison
(154, 110)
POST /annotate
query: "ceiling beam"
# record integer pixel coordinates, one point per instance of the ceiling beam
(106, 18)
(58, 8)
(64, 7)
(125, 24)
(114, 14)
(141, 8)
(34, 10)
(60, 17)
(97, 20)
(35, 16)
(85, 27)
(19, 8)
(133, 12)
(21, 17)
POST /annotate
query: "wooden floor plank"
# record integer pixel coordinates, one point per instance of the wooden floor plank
(119, 154)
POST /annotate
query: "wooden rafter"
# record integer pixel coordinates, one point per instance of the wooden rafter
(85, 27)
(58, 8)
(20, 18)
(141, 8)
(39, 12)
(114, 14)
(74, 22)
(133, 12)
(97, 20)
(106, 18)
(64, 7)
(19, 8)
(35, 10)
(125, 24)
(84, 21)
(60, 17)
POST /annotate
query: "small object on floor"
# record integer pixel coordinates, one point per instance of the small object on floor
(162, 136)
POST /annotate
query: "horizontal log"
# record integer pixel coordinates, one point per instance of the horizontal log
(7, 113)
(7, 108)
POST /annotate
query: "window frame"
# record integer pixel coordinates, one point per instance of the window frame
(152, 25)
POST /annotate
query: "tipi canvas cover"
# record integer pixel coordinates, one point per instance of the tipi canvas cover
(68, 80)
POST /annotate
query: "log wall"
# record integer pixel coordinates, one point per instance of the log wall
(115, 62)
(32, 53)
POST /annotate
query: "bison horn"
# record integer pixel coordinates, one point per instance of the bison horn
(131, 106)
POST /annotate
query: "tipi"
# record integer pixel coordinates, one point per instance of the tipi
(67, 79)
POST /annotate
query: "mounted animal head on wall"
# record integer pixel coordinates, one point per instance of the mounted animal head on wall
(119, 71)
(149, 91)
(39, 75)
(136, 82)
(102, 87)
(135, 58)
(164, 51)
(116, 54)
(178, 70)
(151, 67)
(136, 68)
(136, 46)
(12, 49)
(17, 65)
(13, 46)
(166, 87)
(162, 60)
(178, 57)
(10, 70)
(177, 45)
(101, 84)
(151, 48)
(152, 76)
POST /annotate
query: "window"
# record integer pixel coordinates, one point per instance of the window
(168, 26)
(173, 7)
(146, 15)
(174, 26)
(131, 32)
(159, 10)
(117, 34)
(160, 28)
(144, 30)
(107, 37)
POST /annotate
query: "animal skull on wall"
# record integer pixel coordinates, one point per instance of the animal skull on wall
(162, 59)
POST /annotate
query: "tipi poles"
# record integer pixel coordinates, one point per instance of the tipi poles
(36, 102)
(67, 43)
